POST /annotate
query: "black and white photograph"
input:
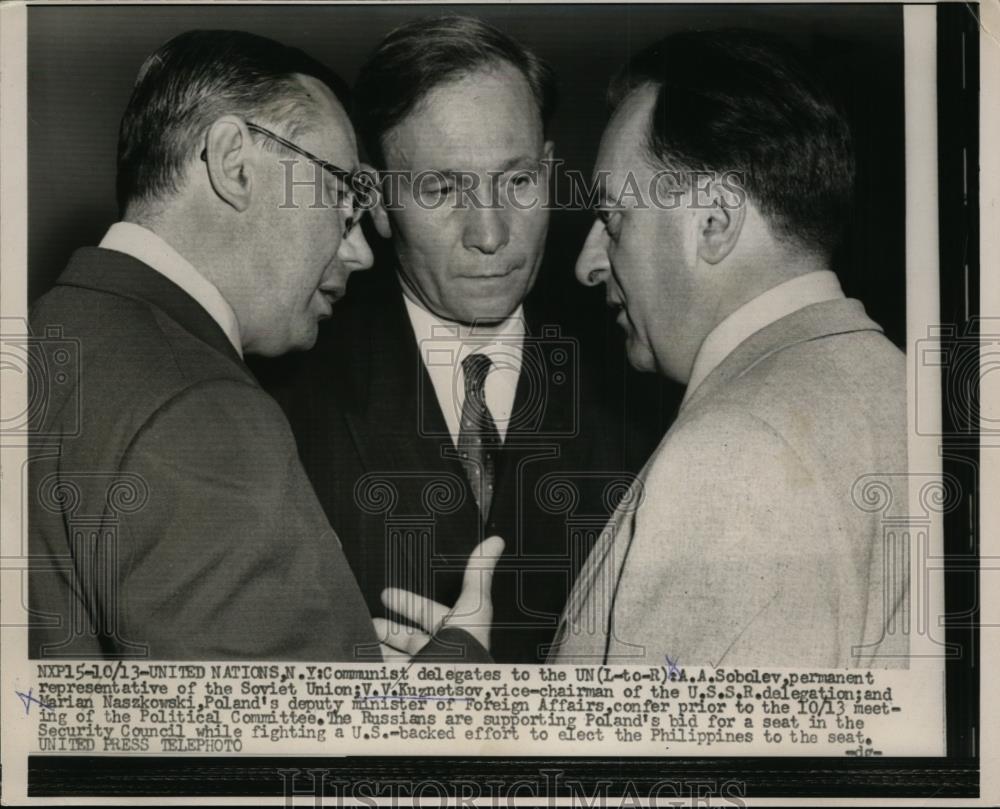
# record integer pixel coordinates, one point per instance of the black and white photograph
(579, 404)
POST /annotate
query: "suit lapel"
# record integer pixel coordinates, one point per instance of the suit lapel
(388, 377)
(587, 620)
(550, 370)
(543, 403)
(394, 419)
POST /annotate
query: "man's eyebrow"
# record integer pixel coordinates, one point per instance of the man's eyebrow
(603, 200)
(520, 162)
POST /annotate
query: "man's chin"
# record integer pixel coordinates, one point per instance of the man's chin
(486, 315)
(302, 341)
(639, 357)
(308, 340)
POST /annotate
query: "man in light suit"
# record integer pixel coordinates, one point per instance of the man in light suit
(170, 516)
(414, 449)
(727, 174)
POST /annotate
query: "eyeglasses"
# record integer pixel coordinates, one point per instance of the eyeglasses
(363, 184)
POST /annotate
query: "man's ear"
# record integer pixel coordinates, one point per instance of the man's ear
(227, 157)
(548, 150)
(719, 224)
(380, 216)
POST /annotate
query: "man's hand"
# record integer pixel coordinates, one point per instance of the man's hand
(473, 611)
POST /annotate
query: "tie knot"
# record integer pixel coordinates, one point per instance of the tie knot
(476, 368)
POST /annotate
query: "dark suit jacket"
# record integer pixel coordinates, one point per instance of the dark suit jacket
(376, 447)
(169, 512)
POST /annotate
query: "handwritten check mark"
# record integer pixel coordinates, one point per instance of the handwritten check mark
(672, 666)
(28, 698)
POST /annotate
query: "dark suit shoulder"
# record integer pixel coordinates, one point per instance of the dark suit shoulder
(129, 346)
(133, 359)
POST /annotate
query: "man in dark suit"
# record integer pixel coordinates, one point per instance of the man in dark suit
(441, 405)
(169, 514)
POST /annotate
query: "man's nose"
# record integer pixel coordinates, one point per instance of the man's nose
(592, 266)
(486, 228)
(354, 251)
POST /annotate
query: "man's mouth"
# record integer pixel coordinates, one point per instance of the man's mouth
(618, 311)
(492, 274)
(330, 296)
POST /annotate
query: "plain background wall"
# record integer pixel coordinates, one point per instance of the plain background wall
(82, 62)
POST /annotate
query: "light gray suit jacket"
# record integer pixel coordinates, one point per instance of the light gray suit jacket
(753, 538)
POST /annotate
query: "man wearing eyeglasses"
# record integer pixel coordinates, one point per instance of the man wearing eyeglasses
(171, 518)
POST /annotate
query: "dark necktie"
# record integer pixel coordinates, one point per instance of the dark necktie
(478, 438)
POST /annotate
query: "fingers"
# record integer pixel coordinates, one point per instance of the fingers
(400, 640)
(489, 552)
(424, 612)
(473, 611)
(477, 584)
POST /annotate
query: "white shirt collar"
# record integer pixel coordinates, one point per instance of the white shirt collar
(144, 245)
(767, 308)
(444, 344)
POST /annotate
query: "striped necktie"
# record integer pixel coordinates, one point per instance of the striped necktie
(478, 438)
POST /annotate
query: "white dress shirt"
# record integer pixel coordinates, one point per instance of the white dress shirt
(767, 308)
(444, 344)
(144, 245)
